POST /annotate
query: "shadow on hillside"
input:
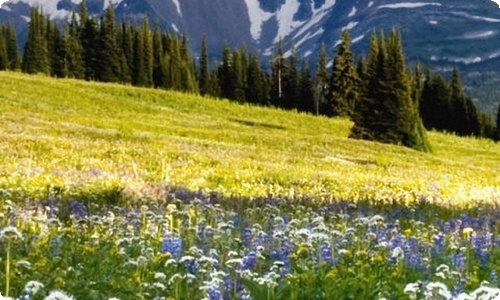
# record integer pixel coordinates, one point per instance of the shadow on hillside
(257, 124)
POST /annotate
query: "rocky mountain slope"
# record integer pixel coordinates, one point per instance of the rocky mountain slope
(438, 33)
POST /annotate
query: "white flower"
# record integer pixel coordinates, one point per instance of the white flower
(160, 276)
(10, 232)
(33, 286)
(58, 295)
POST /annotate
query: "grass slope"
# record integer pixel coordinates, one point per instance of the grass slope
(88, 137)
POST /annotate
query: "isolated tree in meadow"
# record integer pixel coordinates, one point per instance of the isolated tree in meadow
(344, 82)
(11, 47)
(386, 111)
(35, 58)
(279, 71)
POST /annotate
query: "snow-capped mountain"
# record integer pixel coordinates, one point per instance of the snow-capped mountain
(439, 33)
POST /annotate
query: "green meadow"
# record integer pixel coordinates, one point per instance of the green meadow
(81, 138)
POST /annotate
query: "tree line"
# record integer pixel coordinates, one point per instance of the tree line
(386, 101)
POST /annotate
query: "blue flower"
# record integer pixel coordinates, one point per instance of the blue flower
(172, 245)
(249, 261)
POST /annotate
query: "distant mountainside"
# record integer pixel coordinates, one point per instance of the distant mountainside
(438, 33)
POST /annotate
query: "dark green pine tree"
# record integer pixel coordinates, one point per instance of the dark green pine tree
(368, 110)
(57, 51)
(255, 89)
(139, 72)
(343, 92)
(35, 57)
(108, 67)
(458, 114)
(204, 72)
(291, 82)
(435, 106)
(321, 82)
(4, 59)
(89, 39)
(127, 47)
(306, 90)
(159, 80)
(239, 76)
(74, 51)
(12, 48)
(387, 112)
(226, 75)
(147, 52)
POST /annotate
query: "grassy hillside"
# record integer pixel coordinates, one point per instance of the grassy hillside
(89, 137)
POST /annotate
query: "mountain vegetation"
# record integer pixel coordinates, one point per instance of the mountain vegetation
(387, 101)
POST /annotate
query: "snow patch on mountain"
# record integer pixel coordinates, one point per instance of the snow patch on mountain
(50, 6)
(350, 26)
(479, 35)
(284, 17)
(357, 39)
(433, 22)
(479, 18)
(409, 5)
(5, 7)
(178, 6)
(257, 18)
(352, 13)
(370, 4)
(318, 15)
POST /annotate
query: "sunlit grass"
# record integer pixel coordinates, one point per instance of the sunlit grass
(84, 137)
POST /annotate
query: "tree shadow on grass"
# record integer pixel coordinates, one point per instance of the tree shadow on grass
(257, 124)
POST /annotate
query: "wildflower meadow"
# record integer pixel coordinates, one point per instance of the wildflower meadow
(124, 193)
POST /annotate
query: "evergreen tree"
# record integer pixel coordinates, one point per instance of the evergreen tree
(255, 89)
(239, 75)
(321, 82)
(226, 75)
(306, 90)
(147, 52)
(88, 40)
(74, 51)
(290, 82)
(159, 79)
(204, 74)
(139, 76)
(344, 81)
(387, 112)
(35, 57)
(57, 51)
(11, 46)
(4, 59)
(108, 68)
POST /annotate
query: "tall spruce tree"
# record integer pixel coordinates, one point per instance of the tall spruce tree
(12, 48)
(321, 81)
(279, 70)
(108, 68)
(226, 75)
(159, 76)
(147, 52)
(204, 72)
(291, 81)
(35, 57)
(4, 59)
(386, 112)
(343, 93)
(74, 50)
(255, 89)
(306, 90)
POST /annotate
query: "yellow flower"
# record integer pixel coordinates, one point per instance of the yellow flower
(59, 282)
(407, 232)
(303, 251)
(331, 275)
(467, 232)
